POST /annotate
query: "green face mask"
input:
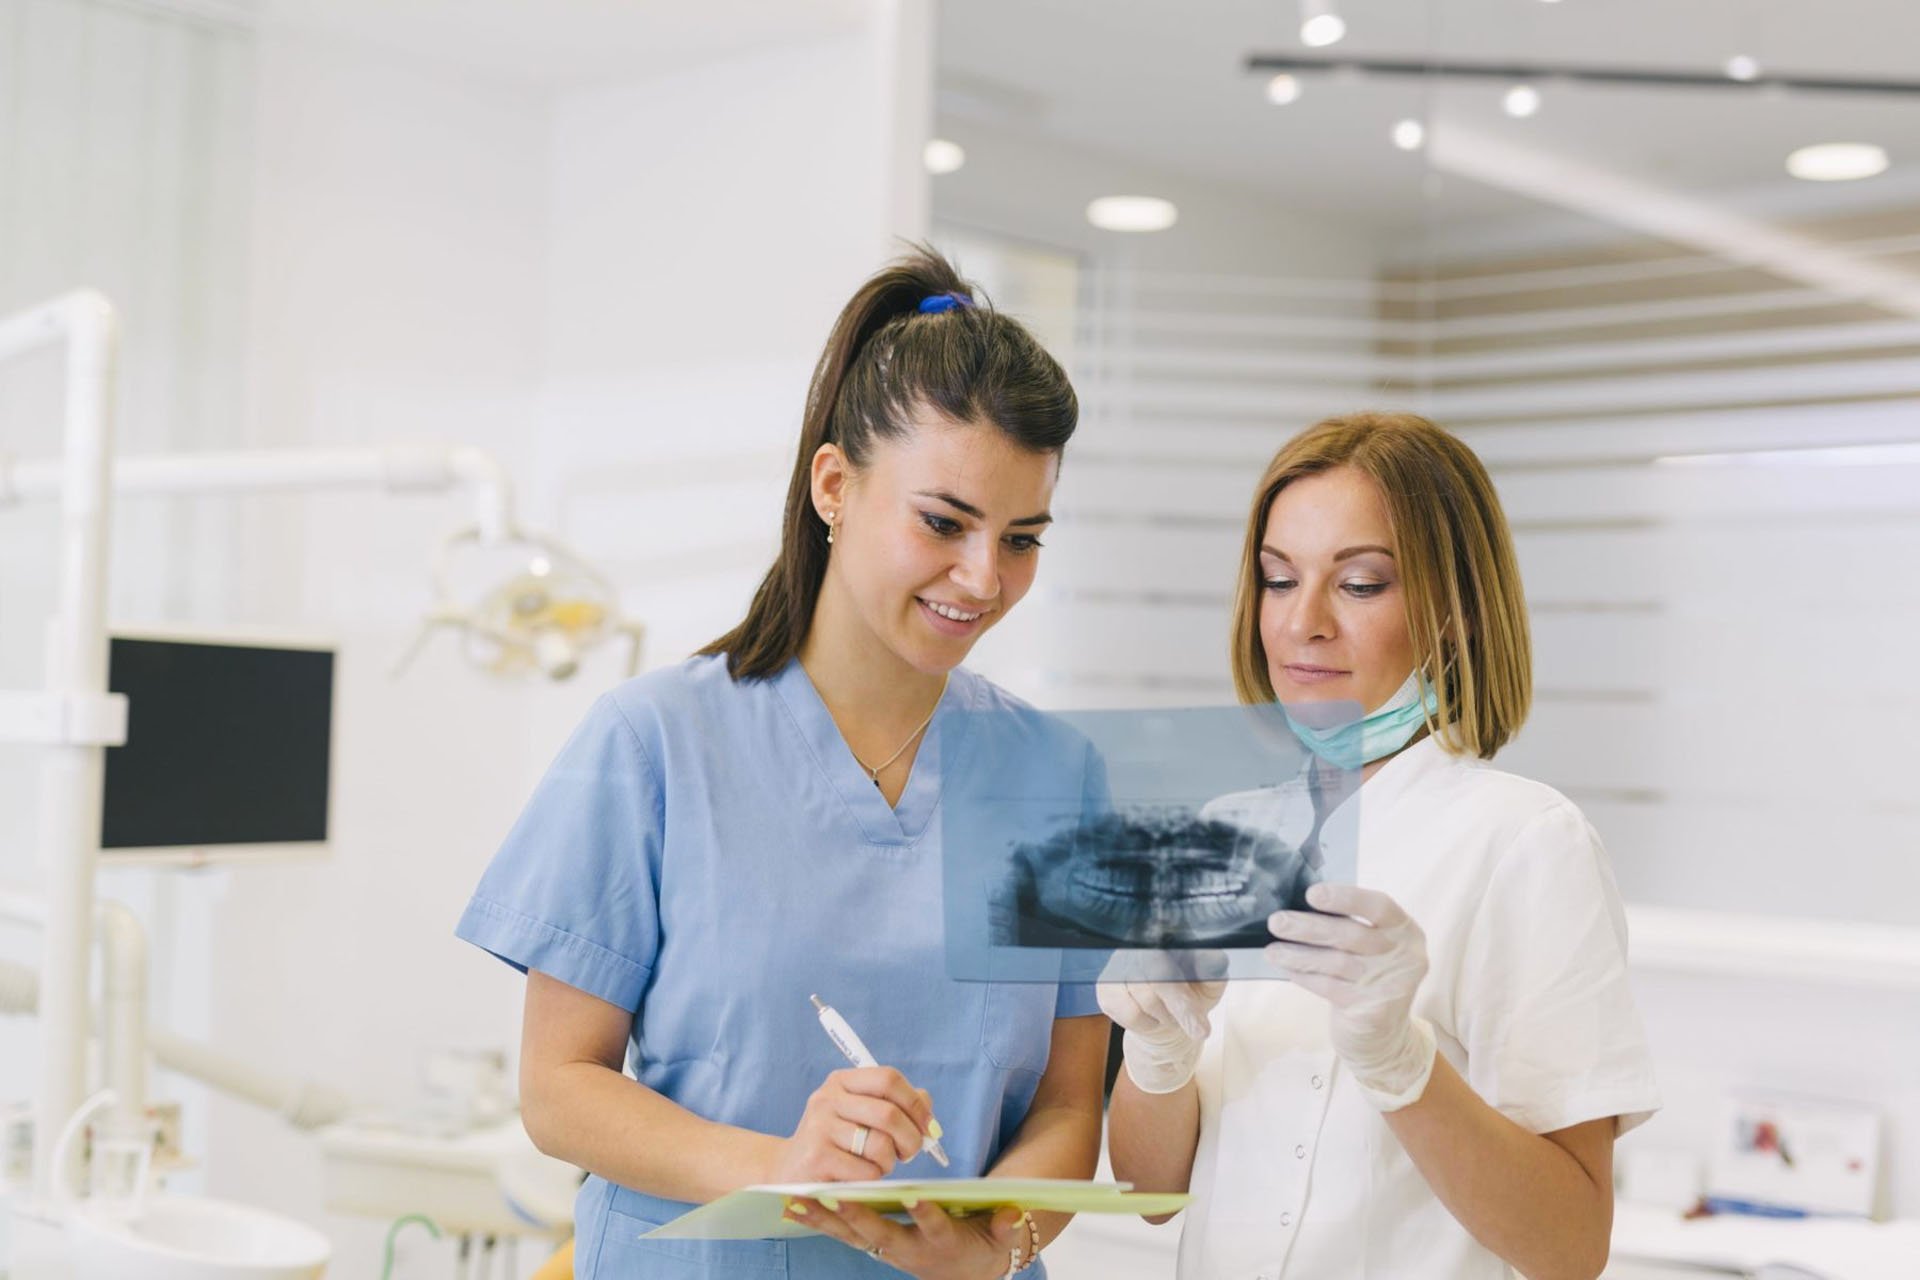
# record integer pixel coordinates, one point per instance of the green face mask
(1379, 733)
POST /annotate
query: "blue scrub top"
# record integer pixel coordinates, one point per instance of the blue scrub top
(708, 854)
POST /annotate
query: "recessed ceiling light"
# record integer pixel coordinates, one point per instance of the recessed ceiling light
(942, 156)
(1283, 89)
(1132, 213)
(1837, 162)
(1322, 30)
(1409, 135)
(1521, 101)
(1741, 67)
(1319, 24)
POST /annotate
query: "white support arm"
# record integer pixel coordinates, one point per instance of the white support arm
(123, 1009)
(302, 1103)
(398, 469)
(76, 675)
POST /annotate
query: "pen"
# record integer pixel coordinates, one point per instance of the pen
(849, 1044)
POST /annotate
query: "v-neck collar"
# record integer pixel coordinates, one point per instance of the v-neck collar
(905, 822)
(1395, 778)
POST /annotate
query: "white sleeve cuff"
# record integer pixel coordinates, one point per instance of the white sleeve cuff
(1160, 1065)
(1400, 1082)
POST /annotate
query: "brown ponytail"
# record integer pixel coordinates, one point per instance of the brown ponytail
(884, 358)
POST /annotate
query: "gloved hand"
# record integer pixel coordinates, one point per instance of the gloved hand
(1367, 960)
(1166, 1023)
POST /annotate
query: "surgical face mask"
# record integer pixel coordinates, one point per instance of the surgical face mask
(1378, 734)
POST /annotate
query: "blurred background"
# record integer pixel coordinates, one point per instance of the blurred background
(1612, 243)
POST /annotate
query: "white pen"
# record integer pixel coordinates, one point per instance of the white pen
(849, 1044)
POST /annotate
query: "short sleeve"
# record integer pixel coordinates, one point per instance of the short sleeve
(1546, 1008)
(574, 890)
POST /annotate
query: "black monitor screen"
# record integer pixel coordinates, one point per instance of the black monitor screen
(226, 744)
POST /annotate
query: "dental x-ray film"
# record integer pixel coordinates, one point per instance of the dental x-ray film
(1140, 844)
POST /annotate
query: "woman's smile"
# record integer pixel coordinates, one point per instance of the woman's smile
(951, 619)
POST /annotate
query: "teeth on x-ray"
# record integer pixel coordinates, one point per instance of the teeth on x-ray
(1163, 878)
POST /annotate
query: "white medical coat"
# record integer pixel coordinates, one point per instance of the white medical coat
(1296, 1175)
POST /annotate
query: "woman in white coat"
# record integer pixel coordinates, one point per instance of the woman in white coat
(1437, 1090)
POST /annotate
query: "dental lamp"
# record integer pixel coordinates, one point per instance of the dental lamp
(541, 619)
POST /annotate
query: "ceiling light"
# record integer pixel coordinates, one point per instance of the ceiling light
(1283, 89)
(1521, 101)
(1322, 30)
(942, 156)
(1837, 162)
(1132, 213)
(1409, 135)
(1741, 67)
(1320, 26)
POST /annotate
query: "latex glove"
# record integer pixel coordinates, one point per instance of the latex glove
(1166, 1023)
(1368, 960)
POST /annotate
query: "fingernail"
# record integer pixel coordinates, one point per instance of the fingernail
(1317, 894)
(834, 1205)
(933, 1129)
(795, 1207)
(909, 1205)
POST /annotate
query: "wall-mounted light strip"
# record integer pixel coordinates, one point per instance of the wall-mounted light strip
(1269, 64)
(1845, 455)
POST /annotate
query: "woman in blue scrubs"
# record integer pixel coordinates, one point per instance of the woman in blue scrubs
(724, 838)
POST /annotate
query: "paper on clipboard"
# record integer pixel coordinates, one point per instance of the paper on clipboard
(754, 1213)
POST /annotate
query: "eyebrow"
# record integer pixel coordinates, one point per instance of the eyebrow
(1347, 553)
(941, 495)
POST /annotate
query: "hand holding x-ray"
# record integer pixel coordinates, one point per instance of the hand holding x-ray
(1165, 1022)
(1368, 959)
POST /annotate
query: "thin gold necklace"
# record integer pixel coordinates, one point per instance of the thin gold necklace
(873, 770)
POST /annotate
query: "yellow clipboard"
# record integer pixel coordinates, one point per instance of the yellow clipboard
(754, 1213)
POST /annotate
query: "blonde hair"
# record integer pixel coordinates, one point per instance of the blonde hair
(1466, 612)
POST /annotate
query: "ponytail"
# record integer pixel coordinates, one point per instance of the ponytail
(915, 335)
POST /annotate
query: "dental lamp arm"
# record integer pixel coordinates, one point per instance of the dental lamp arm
(397, 468)
(302, 1103)
(122, 1019)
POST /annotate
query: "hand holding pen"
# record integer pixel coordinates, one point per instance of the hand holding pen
(859, 1124)
(856, 1052)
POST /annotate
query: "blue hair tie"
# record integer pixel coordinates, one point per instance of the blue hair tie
(943, 302)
